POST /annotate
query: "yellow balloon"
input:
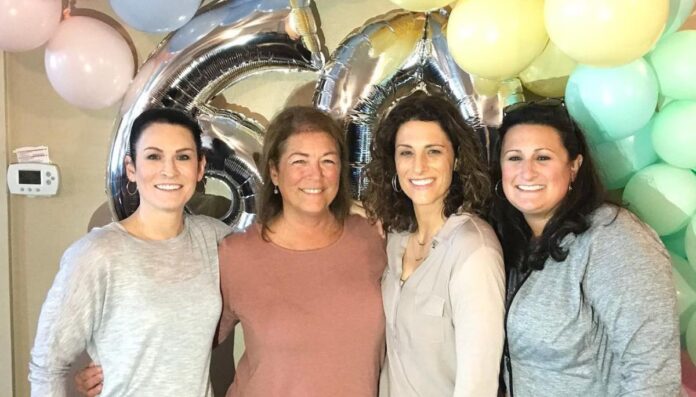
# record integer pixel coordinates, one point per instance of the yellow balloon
(496, 39)
(485, 86)
(605, 32)
(548, 74)
(421, 5)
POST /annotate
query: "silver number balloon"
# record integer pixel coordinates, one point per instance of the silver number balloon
(384, 61)
(224, 43)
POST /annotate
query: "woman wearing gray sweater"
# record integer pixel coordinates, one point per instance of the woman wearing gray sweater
(591, 303)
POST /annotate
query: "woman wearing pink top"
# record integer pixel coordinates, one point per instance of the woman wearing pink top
(305, 281)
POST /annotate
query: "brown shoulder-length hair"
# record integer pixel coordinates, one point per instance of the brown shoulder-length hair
(470, 188)
(291, 121)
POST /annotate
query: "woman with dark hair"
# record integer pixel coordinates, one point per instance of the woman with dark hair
(443, 289)
(305, 281)
(141, 295)
(591, 304)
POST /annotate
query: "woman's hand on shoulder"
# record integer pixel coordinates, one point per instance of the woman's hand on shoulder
(90, 380)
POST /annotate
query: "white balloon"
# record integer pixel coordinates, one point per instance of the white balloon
(27, 24)
(89, 63)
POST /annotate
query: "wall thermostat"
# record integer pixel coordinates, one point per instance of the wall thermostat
(33, 179)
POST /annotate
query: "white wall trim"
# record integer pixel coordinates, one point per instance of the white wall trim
(6, 354)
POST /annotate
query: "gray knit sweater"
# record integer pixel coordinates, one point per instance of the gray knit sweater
(146, 311)
(601, 323)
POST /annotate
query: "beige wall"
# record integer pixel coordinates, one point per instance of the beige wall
(41, 229)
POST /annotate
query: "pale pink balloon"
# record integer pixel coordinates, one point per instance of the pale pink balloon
(89, 63)
(27, 24)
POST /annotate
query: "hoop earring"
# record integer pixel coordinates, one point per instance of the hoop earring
(128, 190)
(496, 189)
(395, 184)
(275, 189)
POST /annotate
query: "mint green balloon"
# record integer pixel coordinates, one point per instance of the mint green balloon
(619, 160)
(674, 61)
(675, 242)
(674, 134)
(686, 298)
(662, 196)
(690, 242)
(612, 103)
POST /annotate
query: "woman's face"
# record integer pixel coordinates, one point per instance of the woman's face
(424, 159)
(308, 174)
(536, 171)
(166, 167)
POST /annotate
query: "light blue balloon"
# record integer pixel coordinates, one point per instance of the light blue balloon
(619, 160)
(155, 16)
(612, 103)
(679, 11)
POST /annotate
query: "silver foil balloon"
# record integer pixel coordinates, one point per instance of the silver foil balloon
(384, 61)
(224, 43)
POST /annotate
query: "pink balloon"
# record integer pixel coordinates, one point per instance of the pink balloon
(27, 24)
(688, 374)
(88, 63)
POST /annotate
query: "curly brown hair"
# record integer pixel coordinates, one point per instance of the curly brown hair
(470, 188)
(294, 120)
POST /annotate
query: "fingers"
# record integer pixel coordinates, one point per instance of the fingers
(89, 381)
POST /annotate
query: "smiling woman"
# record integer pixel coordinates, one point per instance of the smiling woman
(444, 284)
(131, 290)
(304, 282)
(591, 307)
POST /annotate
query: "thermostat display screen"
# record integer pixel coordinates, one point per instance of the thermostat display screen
(29, 177)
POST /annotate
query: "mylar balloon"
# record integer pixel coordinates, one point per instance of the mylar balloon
(605, 32)
(155, 15)
(27, 24)
(674, 134)
(619, 160)
(88, 63)
(421, 5)
(496, 39)
(612, 102)
(663, 196)
(674, 61)
(548, 74)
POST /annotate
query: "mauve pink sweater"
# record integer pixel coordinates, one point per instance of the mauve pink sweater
(313, 320)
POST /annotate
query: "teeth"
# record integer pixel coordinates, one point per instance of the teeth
(168, 187)
(530, 188)
(422, 182)
(311, 191)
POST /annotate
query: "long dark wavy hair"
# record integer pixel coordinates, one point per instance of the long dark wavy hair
(521, 250)
(291, 121)
(470, 188)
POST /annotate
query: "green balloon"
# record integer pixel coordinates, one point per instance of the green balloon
(663, 196)
(679, 11)
(690, 241)
(674, 134)
(619, 160)
(612, 103)
(686, 299)
(675, 242)
(674, 61)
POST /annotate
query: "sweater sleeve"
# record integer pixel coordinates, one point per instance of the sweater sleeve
(69, 316)
(477, 289)
(629, 285)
